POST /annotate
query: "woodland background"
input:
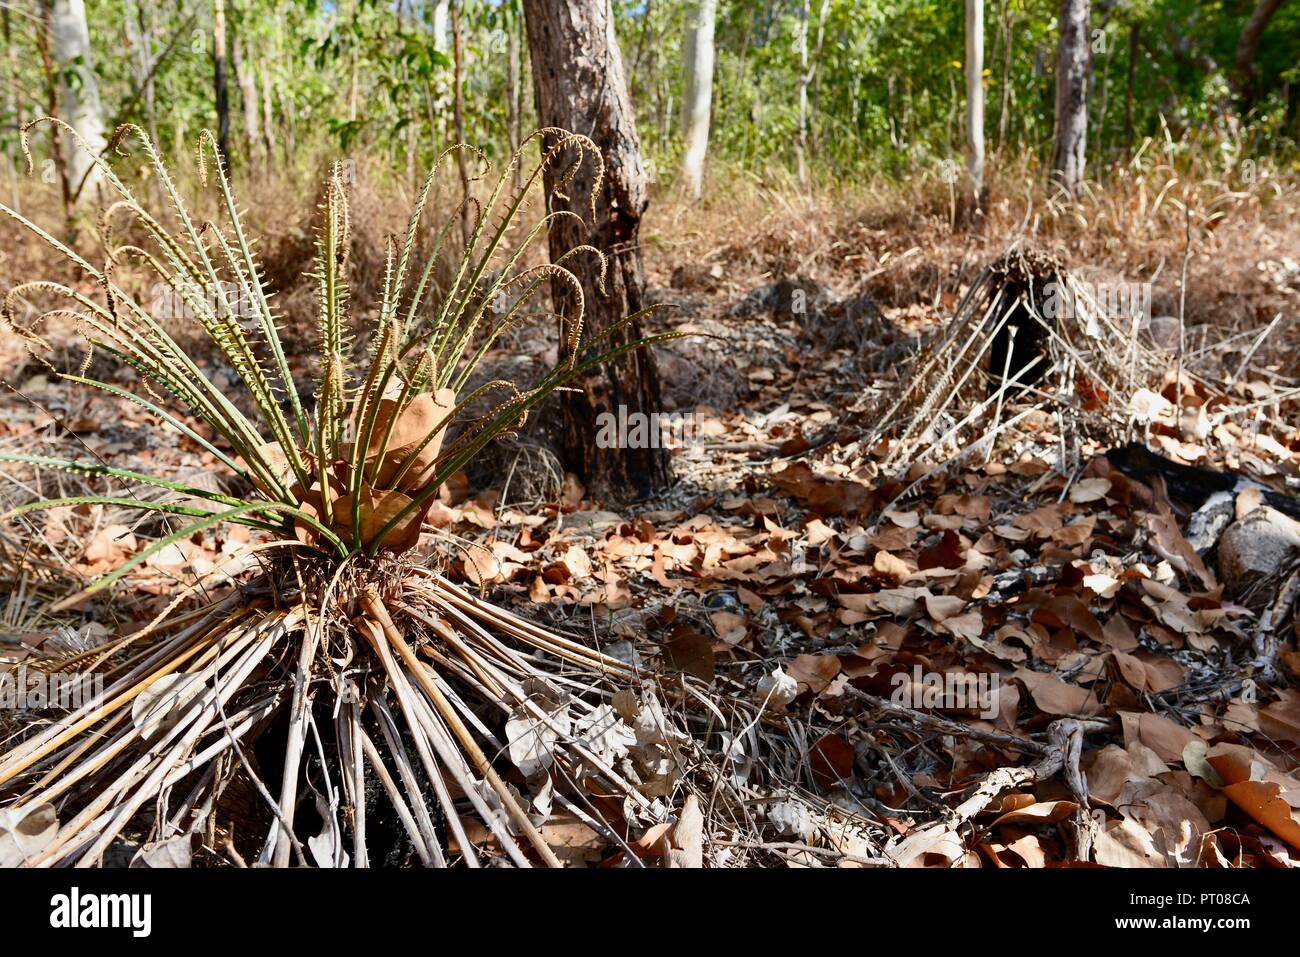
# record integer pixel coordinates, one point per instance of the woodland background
(815, 189)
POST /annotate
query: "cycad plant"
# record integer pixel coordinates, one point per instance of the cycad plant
(375, 677)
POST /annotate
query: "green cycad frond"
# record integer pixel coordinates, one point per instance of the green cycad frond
(428, 667)
(315, 470)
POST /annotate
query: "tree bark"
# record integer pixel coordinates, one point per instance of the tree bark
(578, 83)
(698, 102)
(801, 141)
(441, 29)
(246, 80)
(219, 80)
(1247, 44)
(268, 115)
(1133, 35)
(141, 33)
(514, 93)
(12, 107)
(815, 75)
(1004, 23)
(458, 118)
(50, 71)
(975, 95)
(80, 103)
(1073, 60)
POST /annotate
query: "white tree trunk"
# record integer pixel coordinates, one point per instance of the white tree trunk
(441, 43)
(80, 105)
(441, 19)
(1073, 59)
(698, 102)
(801, 143)
(514, 96)
(975, 93)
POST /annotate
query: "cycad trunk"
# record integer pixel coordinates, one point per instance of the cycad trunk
(79, 100)
(578, 82)
(1073, 59)
(698, 101)
(975, 94)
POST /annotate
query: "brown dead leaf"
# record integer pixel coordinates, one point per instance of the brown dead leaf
(1281, 719)
(824, 495)
(111, 545)
(814, 672)
(889, 565)
(1054, 696)
(1259, 789)
(831, 760)
(969, 626)
(1127, 844)
(1043, 812)
(940, 607)
(410, 450)
(691, 652)
(1163, 736)
(1169, 544)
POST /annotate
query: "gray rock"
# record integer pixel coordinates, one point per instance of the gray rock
(1260, 544)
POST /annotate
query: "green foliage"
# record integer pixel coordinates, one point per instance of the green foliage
(885, 85)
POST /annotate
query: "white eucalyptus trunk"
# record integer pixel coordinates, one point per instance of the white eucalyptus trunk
(975, 93)
(441, 21)
(80, 105)
(698, 102)
(442, 43)
(805, 77)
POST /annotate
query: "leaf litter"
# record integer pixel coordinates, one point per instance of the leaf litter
(1139, 709)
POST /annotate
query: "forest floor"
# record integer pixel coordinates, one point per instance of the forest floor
(1129, 703)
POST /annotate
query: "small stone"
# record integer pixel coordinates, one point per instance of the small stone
(1257, 545)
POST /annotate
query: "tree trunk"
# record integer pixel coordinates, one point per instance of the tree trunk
(975, 95)
(1073, 59)
(441, 32)
(141, 32)
(514, 93)
(1004, 114)
(578, 83)
(12, 107)
(458, 117)
(50, 72)
(1247, 44)
(219, 80)
(80, 102)
(815, 75)
(1133, 36)
(801, 140)
(698, 101)
(246, 80)
(268, 115)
